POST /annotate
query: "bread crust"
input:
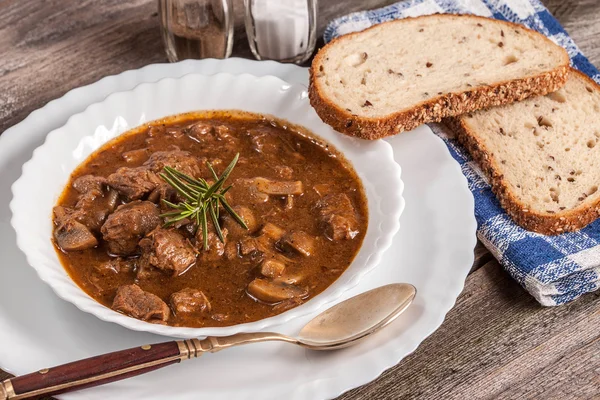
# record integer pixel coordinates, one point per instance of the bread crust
(544, 223)
(437, 108)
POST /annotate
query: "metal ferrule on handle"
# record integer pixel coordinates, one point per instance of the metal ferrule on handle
(6, 390)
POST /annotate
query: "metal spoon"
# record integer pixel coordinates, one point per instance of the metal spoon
(340, 326)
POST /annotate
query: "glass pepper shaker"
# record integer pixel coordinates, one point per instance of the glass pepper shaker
(282, 30)
(196, 28)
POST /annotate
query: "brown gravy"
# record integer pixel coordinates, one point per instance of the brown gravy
(330, 213)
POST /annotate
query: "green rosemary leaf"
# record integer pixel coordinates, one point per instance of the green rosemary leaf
(170, 214)
(230, 167)
(190, 180)
(226, 190)
(197, 223)
(200, 199)
(215, 221)
(212, 171)
(204, 228)
(204, 183)
(176, 206)
(216, 204)
(212, 190)
(230, 210)
(178, 218)
(177, 186)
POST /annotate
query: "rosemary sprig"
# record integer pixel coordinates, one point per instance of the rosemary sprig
(202, 201)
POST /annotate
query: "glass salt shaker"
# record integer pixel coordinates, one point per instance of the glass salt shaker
(196, 28)
(282, 30)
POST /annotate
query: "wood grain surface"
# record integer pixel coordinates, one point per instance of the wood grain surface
(497, 343)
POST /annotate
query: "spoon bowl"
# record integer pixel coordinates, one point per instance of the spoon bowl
(356, 318)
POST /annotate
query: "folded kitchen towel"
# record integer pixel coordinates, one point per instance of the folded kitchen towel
(554, 269)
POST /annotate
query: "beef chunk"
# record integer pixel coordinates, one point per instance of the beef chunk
(168, 251)
(182, 161)
(70, 234)
(232, 250)
(135, 156)
(273, 291)
(115, 265)
(263, 142)
(262, 246)
(283, 171)
(338, 217)
(220, 317)
(62, 214)
(93, 207)
(201, 131)
(205, 133)
(87, 183)
(94, 202)
(223, 133)
(216, 248)
(297, 241)
(135, 302)
(163, 191)
(234, 227)
(189, 301)
(248, 246)
(323, 189)
(146, 272)
(134, 183)
(125, 227)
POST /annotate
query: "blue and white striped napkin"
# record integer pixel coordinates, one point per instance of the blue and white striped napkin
(554, 269)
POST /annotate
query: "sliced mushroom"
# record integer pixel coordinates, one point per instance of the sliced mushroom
(278, 188)
(298, 241)
(246, 191)
(272, 231)
(272, 268)
(72, 235)
(272, 292)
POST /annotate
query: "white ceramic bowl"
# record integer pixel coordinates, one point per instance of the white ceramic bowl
(45, 175)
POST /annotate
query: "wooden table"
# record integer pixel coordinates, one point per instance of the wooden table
(497, 343)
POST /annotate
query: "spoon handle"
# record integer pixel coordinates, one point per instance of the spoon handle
(98, 370)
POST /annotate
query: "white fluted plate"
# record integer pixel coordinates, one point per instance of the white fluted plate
(44, 177)
(433, 251)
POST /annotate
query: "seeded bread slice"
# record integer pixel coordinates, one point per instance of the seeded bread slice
(401, 74)
(542, 155)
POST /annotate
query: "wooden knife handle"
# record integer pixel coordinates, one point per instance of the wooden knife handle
(98, 370)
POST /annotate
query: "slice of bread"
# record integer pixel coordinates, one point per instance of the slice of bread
(401, 74)
(542, 155)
